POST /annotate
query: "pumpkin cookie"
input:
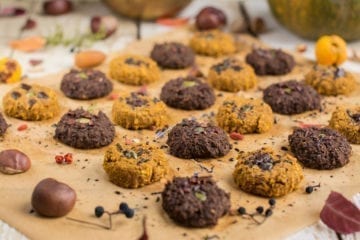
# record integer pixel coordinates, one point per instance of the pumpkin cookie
(82, 129)
(270, 61)
(138, 111)
(191, 139)
(212, 43)
(31, 102)
(320, 148)
(195, 201)
(187, 93)
(267, 173)
(330, 80)
(173, 55)
(347, 122)
(134, 70)
(232, 75)
(291, 97)
(3, 125)
(85, 84)
(135, 165)
(243, 115)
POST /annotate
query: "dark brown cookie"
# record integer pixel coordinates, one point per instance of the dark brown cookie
(195, 201)
(3, 125)
(320, 148)
(270, 62)
(173, 55)
(291, 97)
(188, 93)
(84, 130)
(85, 84)
(191, 139)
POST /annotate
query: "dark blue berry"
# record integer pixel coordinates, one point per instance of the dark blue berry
(123, 206)
(99, 211)
(241, 210)
(272, 201)
(260, 209)
(268, 212)
(129, 213)
(309, 189)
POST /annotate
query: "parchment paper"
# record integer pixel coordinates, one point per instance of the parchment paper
(88, 178)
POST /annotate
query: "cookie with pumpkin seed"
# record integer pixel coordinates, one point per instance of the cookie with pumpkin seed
(134, 69)
(232, 75)
(330, 80)
(195, 201)
(135, 165)
(188, 93)
(267, 173)
(85, 84)
(31, 102)
(347, 122)
(245, 115)
(193, 139)
(136, 110)
(270, 61)
(82, 129)
(291, 97)
(212, 43)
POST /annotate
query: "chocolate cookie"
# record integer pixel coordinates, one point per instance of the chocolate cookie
(134, 70)
(347, 122)
(85, 84)
(82, 129)
(191, 139)
(267, 173)
(291, 97)
(270, 61)
(212, 43)
(195, 201)
(173, 55)
(232, 75)
(31, 102)
(135, 165)
(320, 148)
(3, 125)
(187, 93)
(245, 115)
(138, 111)
(330, 80)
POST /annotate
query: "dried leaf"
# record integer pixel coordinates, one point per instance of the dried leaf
(340, 214)
(29, 44)
(29, 24)
(172, 21)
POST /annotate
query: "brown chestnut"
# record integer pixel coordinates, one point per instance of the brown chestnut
(13, 161)
(210, 18)
(51, 198)
(57, 7)
(104, 24)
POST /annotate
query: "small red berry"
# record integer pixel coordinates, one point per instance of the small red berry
(236, 136)
(22, 127)
(59, 159)
(68, 158)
